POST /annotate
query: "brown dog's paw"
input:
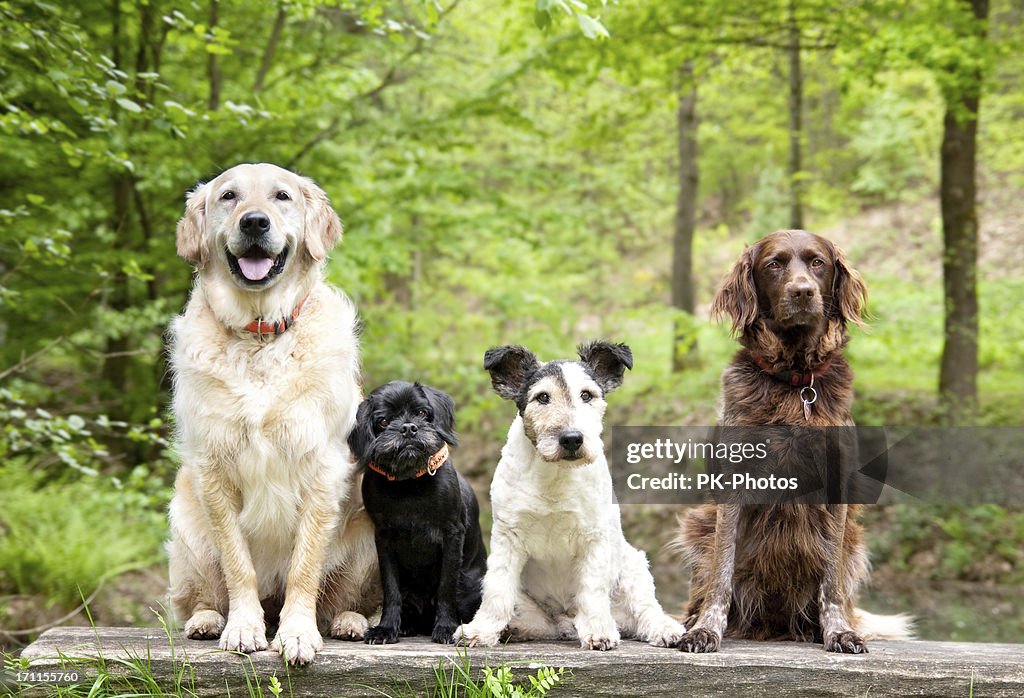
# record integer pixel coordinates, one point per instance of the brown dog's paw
(700, 640)
(847, 642)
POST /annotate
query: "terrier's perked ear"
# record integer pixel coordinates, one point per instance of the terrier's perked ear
(509, 367)
(607, 361)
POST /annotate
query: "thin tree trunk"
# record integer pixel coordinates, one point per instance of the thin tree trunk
(684, 341)
(796, 99)
(958, 375)
(212, 62)
(271, 47)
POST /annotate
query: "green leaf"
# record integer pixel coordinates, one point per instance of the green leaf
(591, 27)
(36, 199)
(129, 105)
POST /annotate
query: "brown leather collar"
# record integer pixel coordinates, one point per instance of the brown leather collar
(797, 379)
(434, 464)
(260, 326)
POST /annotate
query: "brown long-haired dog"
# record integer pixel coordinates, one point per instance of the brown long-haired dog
(784, 571)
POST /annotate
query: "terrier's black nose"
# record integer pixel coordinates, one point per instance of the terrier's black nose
(570, 440)
(254, 223)
(408, 429)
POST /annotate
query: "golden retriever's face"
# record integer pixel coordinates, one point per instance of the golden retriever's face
(256, 221)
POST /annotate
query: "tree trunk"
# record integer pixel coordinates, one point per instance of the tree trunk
(958, 376)
(796, 100)
(212, 63)
(270, 48)
(684, 341)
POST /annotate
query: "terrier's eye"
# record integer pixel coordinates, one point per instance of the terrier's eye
(383, 422)
(586, 396)
(543, 398)
(818, 263)
(422, 413)
(228, 195)
(283, 196)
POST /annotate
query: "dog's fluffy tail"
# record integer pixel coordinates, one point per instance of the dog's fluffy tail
(875, 627)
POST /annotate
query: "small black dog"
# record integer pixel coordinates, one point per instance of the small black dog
(429, 544)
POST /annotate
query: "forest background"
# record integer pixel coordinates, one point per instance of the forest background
(508, 172)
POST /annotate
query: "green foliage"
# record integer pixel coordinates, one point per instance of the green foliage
(454, 679)
(67, 537)
(498, 184)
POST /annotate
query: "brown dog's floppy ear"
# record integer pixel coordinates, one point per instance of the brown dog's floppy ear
(849, 294)
(190, 236)
(737, 297)
(323, 227)
(509, 367)
(608, 362)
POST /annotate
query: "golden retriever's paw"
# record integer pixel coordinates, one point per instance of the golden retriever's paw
(349, 625)
(298, 640)
(473, 634)
(244, 636)
(700, 640)
(667, 633)
(847, 642)
(204, 625)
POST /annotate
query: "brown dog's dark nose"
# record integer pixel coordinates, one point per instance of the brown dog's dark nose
(801, 289)
(409, 429)
(254, 223)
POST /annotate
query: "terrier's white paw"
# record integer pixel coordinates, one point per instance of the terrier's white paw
(204, 625)
(473, 634)
(599, 642)
(298, 640)
(349, 625)
(244, 634)
(667, 633)
(597, 634)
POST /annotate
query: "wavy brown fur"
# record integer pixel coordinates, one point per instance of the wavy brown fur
(796, 568)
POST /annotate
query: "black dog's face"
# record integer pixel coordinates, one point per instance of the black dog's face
(400, 425)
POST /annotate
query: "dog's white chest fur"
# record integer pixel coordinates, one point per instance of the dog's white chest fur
(272, 409)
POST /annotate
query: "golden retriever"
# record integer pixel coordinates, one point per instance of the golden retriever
(266, 512)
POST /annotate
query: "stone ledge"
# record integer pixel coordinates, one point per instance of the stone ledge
(634, 669)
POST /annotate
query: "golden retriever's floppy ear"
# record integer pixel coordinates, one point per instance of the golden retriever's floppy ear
(737, 297)
(191, 245)
(849, 294)
(323, 227)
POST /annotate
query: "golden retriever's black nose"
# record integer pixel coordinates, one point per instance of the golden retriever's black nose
(408, 429)
(570, 440)
(254, 223)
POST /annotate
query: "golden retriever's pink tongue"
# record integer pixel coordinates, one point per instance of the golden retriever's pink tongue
(255, 268)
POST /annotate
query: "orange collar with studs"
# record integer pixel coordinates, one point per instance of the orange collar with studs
(261, 327)
(434, 464)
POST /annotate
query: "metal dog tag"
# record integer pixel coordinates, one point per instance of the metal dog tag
(808, 402)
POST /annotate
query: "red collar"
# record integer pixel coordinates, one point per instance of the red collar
(260, 326)
(434, 464)
(797, 379)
